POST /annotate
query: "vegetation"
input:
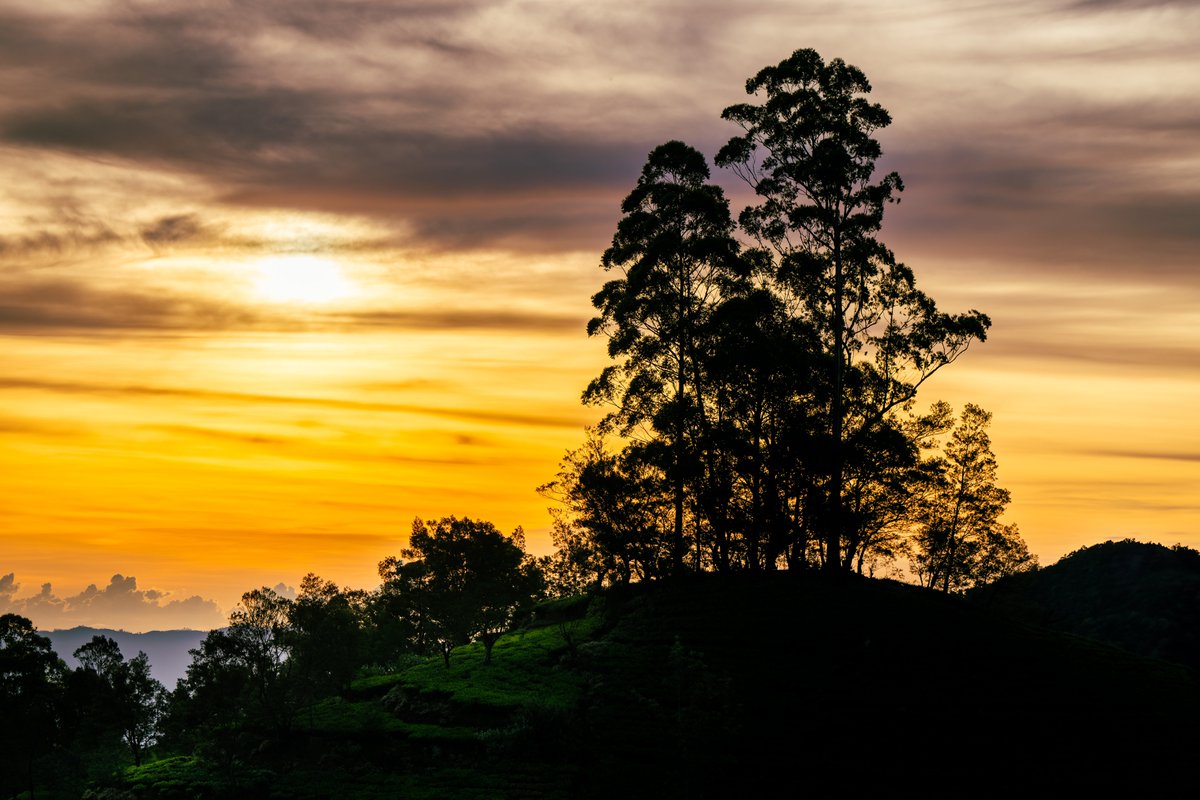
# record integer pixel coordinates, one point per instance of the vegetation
(763, 388)
(688, 687)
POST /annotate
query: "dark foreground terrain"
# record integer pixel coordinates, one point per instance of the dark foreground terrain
(723, 686)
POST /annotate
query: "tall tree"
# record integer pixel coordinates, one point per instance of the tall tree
(674, 249)
(808, 151)
(245, 670)
(114, 699)
(327, 638)
(31, 678)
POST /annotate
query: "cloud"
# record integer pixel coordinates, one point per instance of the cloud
(469, 319)
(120, 604)
(62, 303)
(461, 414)
(172, 230)
(197, 88)
(1155, 455)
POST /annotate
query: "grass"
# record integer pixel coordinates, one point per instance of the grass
(525, 668)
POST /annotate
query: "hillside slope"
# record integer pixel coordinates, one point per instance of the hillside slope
(716, 687)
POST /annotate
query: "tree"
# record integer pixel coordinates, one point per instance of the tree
(465, 580)
(144, 701)
(326, 639)
(243, 673)
(123, 695)
(960, 541)
(31, 677)
(808, 152)
(615, 524)
(674, 249)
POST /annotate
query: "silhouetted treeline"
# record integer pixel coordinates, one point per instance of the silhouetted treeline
(250, 683)
(63, 728)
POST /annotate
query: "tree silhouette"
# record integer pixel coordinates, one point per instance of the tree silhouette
(808, 152)
(326, 638)
(466, 581)
(960, 541)
(31, 677)
(674, 249)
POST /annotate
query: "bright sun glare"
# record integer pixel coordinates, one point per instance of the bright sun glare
(300, 279)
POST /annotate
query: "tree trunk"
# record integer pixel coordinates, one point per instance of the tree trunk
(833, 533)
(488, 641)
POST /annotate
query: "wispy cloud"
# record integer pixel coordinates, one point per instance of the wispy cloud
(459, 414)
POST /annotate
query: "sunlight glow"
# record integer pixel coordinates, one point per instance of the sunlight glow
(301, 279)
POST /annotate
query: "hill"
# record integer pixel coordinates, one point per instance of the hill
(727, 686)
(167, 650)
(1144, 598)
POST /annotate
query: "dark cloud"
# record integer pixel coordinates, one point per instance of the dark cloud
(172, 230)
(511, 321)
(236, 437)
(1091, 6)
(30, 303)
(187, 88)
(119, 604)
(1039, 203)
(313, 450)
(60, 304)
(403, 112)
(38, 427)
(501, 417)
(72, 238)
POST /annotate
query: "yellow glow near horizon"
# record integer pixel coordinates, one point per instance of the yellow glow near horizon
(301, 279)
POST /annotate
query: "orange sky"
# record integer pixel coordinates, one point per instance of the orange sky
(274, 281)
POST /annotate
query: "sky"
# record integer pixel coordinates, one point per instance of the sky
(277, 277)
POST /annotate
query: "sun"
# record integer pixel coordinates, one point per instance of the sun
(301, 279)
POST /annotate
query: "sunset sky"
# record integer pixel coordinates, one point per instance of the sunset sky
(278, 276)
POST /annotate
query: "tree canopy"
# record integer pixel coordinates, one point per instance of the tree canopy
(464, 581)
(764, 375)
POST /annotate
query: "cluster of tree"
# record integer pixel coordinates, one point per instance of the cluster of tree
(763, 383)
(62, 726)
(459, 581)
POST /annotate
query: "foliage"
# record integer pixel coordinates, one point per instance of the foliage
(676, 254)
(122, 697)
(241, 675)
(960, 541)
(31, 677)
(763, 396)
(327, 636)
(615, 521)
(464, 581)
(808, 151)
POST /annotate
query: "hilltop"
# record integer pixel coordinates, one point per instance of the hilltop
(1141, 597)
(712, 685)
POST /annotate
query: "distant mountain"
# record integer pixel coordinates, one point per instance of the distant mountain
(168, 650)
(1143, 598)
